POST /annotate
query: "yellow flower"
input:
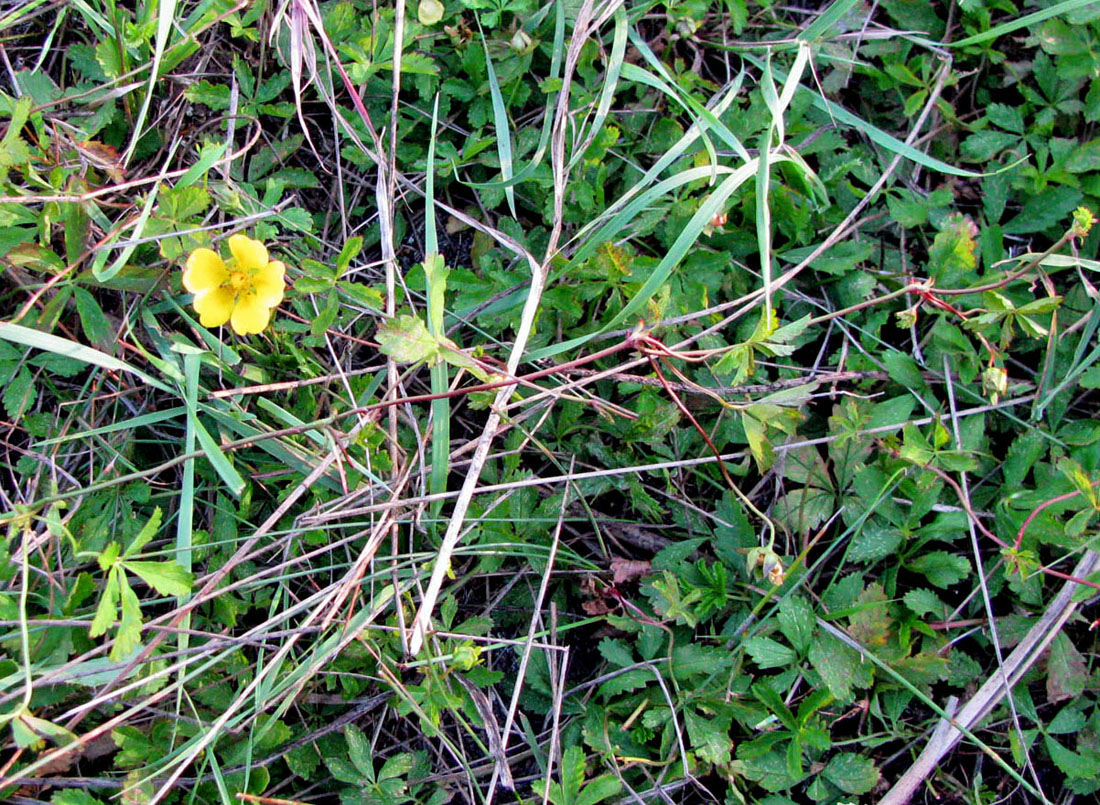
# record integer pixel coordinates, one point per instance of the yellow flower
(242, 291)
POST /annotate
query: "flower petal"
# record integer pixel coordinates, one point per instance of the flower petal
(215, 306)
(250, 316)
(268, 284)
(250, 254)
(205, 270)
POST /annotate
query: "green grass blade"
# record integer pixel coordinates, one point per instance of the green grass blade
(166, 14)
(873, 133)
(501, 124)
(764, 219)
(18, 334)
(611, 229)
(436, 280)
(714, 203)
(610, 84)
(1026, 21)
(137, 422)
(826, 20)
(547, 116)
(682, 145)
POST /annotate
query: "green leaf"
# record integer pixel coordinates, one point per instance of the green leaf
(129, 626)
(852, 773)
(600, 788)
(1067, 672)
(20, 393)
(343, 771)
(406, 339)
(167, 578)
(942, 569)
(1045, 210)
(616, 652)
(768, 653)
(360, 751)
(709, 739)
(396, 766)
(797, 621)
(1085, 765)
(74, 796)
(1009, 118)
(96, 325)
(925, 602)
(148, 531)
(107, 612)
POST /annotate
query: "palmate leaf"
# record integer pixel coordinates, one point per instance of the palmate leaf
(406, 339)
(167, 578)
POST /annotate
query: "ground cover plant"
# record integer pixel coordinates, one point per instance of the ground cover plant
(490, 401)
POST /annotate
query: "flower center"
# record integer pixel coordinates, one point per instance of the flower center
(239, 280)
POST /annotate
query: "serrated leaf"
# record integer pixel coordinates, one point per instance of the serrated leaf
(925, 602)
(600, 788)
(1048, 209)
(107, 612)
(97, 327)
(20, 393)
(874, 541)
(1072, 764)
(396, 766)
(74, 796)
(768, 653)
(359, 751)
(212, 96)
(167, 578)
(942, 569)
(1009, 118)
(616, 652)
(870, 625)
(128, 636)
(710, 741)
(148, 531)
(796, 621)
(406, 339)
(1068, 721)
(343, 771)
(836, 664)
(852, 773)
